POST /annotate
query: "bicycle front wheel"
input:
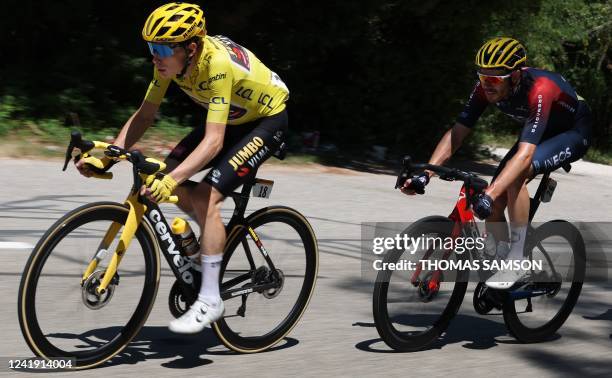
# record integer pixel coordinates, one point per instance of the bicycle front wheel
(411, 312)
(282, 257)
(61, 316)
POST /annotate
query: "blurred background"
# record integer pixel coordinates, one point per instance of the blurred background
(386, 73)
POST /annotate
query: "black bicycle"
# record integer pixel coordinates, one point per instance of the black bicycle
(91, 281)
(413, 308)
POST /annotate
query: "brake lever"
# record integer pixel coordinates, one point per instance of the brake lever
(401, 178)
(68, 155)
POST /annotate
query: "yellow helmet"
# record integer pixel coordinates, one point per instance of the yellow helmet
(501, 53)
(174, 22)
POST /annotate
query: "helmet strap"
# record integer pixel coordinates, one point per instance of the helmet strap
(188, 58)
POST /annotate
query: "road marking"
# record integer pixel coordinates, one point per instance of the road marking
(15, 245)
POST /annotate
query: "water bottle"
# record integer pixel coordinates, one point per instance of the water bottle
(189, 241)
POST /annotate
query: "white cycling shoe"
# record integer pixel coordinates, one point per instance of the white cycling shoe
(505, 279)
(199, 315)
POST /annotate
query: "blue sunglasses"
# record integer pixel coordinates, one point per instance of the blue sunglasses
(161, 50)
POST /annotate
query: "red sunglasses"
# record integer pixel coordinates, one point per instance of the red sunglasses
(492, 79)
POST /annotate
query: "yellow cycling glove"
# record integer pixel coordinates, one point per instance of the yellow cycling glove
(161, 189)
(103, 164)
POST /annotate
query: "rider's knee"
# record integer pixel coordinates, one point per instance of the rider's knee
(207, 200)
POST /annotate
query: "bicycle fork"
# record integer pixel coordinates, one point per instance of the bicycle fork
(134, 219)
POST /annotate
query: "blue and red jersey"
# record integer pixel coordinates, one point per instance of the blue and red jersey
(543, 101)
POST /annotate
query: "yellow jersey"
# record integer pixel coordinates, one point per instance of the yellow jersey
(230, 82)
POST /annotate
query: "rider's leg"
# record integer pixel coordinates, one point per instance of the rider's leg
(206, 202)
(225, 176)
(208, 308)
(518, 212)
(496, 223)
(183, 191)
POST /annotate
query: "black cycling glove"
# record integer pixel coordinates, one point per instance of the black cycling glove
(418, 183)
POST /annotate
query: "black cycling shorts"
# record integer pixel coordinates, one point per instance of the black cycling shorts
(245, 148)
(559, 149)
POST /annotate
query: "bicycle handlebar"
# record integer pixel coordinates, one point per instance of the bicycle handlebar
(470, 180)
(141, 163)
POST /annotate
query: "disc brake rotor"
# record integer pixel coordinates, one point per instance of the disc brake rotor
(90, 296)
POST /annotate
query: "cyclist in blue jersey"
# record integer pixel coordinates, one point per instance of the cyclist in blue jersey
(556, 131)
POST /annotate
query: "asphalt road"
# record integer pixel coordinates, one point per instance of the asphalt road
(336, 336)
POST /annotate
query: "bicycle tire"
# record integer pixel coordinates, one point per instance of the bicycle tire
(233, 340)
(28, 320)
(395, 339)
(528, 334)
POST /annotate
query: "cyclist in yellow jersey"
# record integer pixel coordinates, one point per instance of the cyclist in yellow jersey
(246, 123)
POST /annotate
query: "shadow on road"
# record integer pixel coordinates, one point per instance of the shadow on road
(566, 365)
(475, 332)
(187, 351)
(604, 316)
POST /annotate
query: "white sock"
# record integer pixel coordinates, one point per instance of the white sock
(517, 240)
(209, 291)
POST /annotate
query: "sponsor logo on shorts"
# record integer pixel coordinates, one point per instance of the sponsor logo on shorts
(278, 136)
(246, 153)
(243, 171)
(216, 173)
(557, 159)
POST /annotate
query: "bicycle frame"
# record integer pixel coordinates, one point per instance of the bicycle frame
(170, 245)
(464, 223)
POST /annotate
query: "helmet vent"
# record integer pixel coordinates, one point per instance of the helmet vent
(156, 23)
(163, 30)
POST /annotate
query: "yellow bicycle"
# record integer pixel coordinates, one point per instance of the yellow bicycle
(92, 279)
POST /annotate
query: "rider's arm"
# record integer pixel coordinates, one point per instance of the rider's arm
(138, 123)
(218, 111)
(143, 118)
(449, 144)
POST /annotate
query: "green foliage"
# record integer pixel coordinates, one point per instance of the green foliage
(386, 72)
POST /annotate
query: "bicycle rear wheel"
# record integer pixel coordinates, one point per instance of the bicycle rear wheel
(59, 316)
(408, 317)
(559, 245)
(256, 320)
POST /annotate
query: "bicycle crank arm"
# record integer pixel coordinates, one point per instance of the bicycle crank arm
(524, 294)
(232, 293)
